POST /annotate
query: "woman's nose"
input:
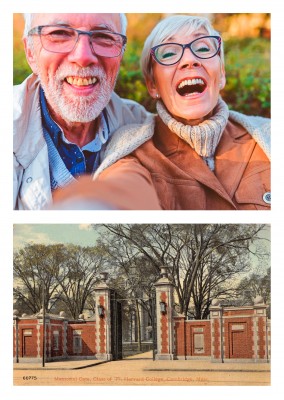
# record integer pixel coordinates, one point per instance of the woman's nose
(82, 54)
(189, 60)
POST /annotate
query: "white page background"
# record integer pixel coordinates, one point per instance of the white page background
(8, 217)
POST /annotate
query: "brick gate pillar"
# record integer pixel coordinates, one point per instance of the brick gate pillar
(103, 320)
(260, 331)
(217, 331)
(164, 310)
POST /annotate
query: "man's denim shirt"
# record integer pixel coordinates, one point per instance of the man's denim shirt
(77, 160)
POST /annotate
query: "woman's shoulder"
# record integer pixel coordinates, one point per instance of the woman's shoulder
(252, 121)
(258, 127)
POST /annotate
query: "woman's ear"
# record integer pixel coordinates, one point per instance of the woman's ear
(151, 86)
(222, 82)
(30, 55)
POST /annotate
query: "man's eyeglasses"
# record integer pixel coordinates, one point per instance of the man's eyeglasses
(171, 53)
(62, 39)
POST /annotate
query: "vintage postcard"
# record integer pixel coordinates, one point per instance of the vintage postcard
(142, 304)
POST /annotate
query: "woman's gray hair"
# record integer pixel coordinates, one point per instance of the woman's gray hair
(29, 18)
(168, 27)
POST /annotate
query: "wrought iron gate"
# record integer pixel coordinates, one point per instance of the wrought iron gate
(116, 326)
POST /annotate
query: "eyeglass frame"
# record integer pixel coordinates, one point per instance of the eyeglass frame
(37, 31)
(187, 46)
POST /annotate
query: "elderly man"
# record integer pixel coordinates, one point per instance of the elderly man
(66, 110)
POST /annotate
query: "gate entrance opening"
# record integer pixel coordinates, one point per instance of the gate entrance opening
(133, 327)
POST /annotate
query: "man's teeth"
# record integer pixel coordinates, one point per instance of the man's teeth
(81, 81)
(191, 82)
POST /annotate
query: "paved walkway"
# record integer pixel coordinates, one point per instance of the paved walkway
(57, 365)
(150, 365)
(142, 370)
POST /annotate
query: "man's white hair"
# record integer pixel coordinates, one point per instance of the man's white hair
(168, 27)
(29, 18)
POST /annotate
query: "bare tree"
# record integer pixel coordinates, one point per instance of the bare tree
(65, 273)
(255, 285)
(132, 276)
(204, 260)
(78, 277)
(36, 268)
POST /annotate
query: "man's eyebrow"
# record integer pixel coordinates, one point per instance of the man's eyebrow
(58, 22)
(100, 27)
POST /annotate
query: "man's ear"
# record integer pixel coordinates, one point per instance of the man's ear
(151, 86)
(30, 56)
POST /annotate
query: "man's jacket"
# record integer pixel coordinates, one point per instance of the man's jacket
(31, 165)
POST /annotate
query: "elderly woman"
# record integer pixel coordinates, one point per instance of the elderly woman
(195, 154)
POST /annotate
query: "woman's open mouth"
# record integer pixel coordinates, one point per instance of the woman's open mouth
(189, 87)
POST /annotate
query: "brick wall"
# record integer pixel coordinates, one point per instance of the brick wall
(238, 338)
(27, 333)
(59, 338)
(231, 334)
(87, 332)
(192, 338)
(240, 333)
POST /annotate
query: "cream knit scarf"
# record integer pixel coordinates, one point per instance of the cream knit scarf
(203, 138)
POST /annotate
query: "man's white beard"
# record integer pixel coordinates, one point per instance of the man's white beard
(79, 108)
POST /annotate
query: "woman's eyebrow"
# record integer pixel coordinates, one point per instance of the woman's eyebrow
(195, 35)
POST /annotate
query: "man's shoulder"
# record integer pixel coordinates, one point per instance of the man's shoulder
(25, 95)
(30, 84)
(27, 130)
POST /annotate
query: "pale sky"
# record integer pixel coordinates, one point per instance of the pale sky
(81, 234)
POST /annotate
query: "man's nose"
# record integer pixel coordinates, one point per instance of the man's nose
(82, 54)
(189, 59)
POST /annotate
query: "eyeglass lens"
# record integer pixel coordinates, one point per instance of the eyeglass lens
(63, 40)
(171, 53)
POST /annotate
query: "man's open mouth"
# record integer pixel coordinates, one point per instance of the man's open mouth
(78, 81)
(191, 86)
